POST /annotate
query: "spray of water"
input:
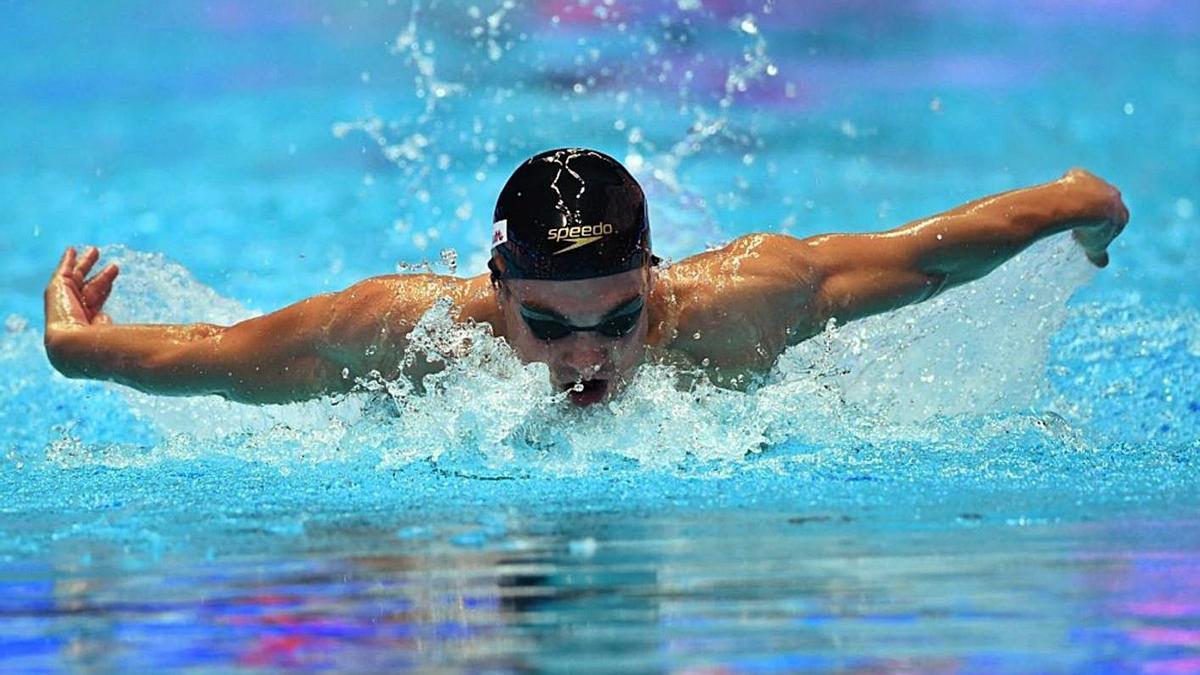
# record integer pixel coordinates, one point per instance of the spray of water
(424, 139)
(963, 378)
(970, 362)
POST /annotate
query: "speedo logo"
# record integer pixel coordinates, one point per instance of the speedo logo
(578, 235)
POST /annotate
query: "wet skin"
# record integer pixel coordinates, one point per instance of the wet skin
(731, 311)
(599, 364)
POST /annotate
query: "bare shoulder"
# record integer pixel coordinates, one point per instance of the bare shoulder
(382, 310)
(740, 305)
(412, 288)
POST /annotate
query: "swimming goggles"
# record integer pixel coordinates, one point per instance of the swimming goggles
(618, 324)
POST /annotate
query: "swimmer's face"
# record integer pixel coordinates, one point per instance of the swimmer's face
(538, 313)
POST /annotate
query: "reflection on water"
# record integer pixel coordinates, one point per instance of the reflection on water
(852, 591)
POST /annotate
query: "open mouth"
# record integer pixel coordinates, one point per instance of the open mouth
(587, 392)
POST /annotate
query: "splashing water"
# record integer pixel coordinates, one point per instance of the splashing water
(419, 144)
(1015, 458)
(880, 380)
(955, 378)
(921, 401)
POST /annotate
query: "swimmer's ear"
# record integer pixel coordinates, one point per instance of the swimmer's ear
(502, 291)
(494, 272)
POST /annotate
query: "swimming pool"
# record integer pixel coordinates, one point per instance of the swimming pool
(1002, 479)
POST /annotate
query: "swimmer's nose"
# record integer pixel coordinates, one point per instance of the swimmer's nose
(584, 355)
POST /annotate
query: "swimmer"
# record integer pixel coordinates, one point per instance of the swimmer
(573, 284)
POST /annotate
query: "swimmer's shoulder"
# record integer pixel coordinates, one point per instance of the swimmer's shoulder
(751, 268)
(401, 299)
(729, 304)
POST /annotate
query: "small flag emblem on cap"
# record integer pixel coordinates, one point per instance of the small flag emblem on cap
(499, 232)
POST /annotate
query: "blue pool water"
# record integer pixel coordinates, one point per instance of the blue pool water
(1004, 479)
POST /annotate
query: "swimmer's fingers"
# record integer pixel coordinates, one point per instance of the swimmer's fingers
(98, 288)
(90, 256)
(1098, 259)
(65, 265)
(1095, 240)
(63, 303)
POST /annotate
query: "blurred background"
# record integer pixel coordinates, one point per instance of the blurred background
(1001, 479)
(281, 148)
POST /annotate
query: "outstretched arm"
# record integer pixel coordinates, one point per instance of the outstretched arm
(298, 352)
(863, 274)
(742, 304)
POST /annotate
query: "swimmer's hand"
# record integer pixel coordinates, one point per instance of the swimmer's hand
(1096, 233)
(71, 299)
(851, 276)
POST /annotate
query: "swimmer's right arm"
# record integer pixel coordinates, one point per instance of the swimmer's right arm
(314, 347)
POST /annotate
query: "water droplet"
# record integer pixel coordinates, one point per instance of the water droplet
(449, 258)
(1184, 208)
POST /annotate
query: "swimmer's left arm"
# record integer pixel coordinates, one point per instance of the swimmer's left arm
(738, 307)
(857, 275)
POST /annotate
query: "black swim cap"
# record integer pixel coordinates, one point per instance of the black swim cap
(570, 214)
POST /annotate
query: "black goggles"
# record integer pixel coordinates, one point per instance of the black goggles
(616, 325)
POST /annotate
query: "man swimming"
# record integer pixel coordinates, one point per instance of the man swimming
(574, 284)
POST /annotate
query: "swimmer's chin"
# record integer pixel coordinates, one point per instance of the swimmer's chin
(589, 392)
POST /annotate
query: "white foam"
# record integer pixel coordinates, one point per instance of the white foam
(975, 351)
